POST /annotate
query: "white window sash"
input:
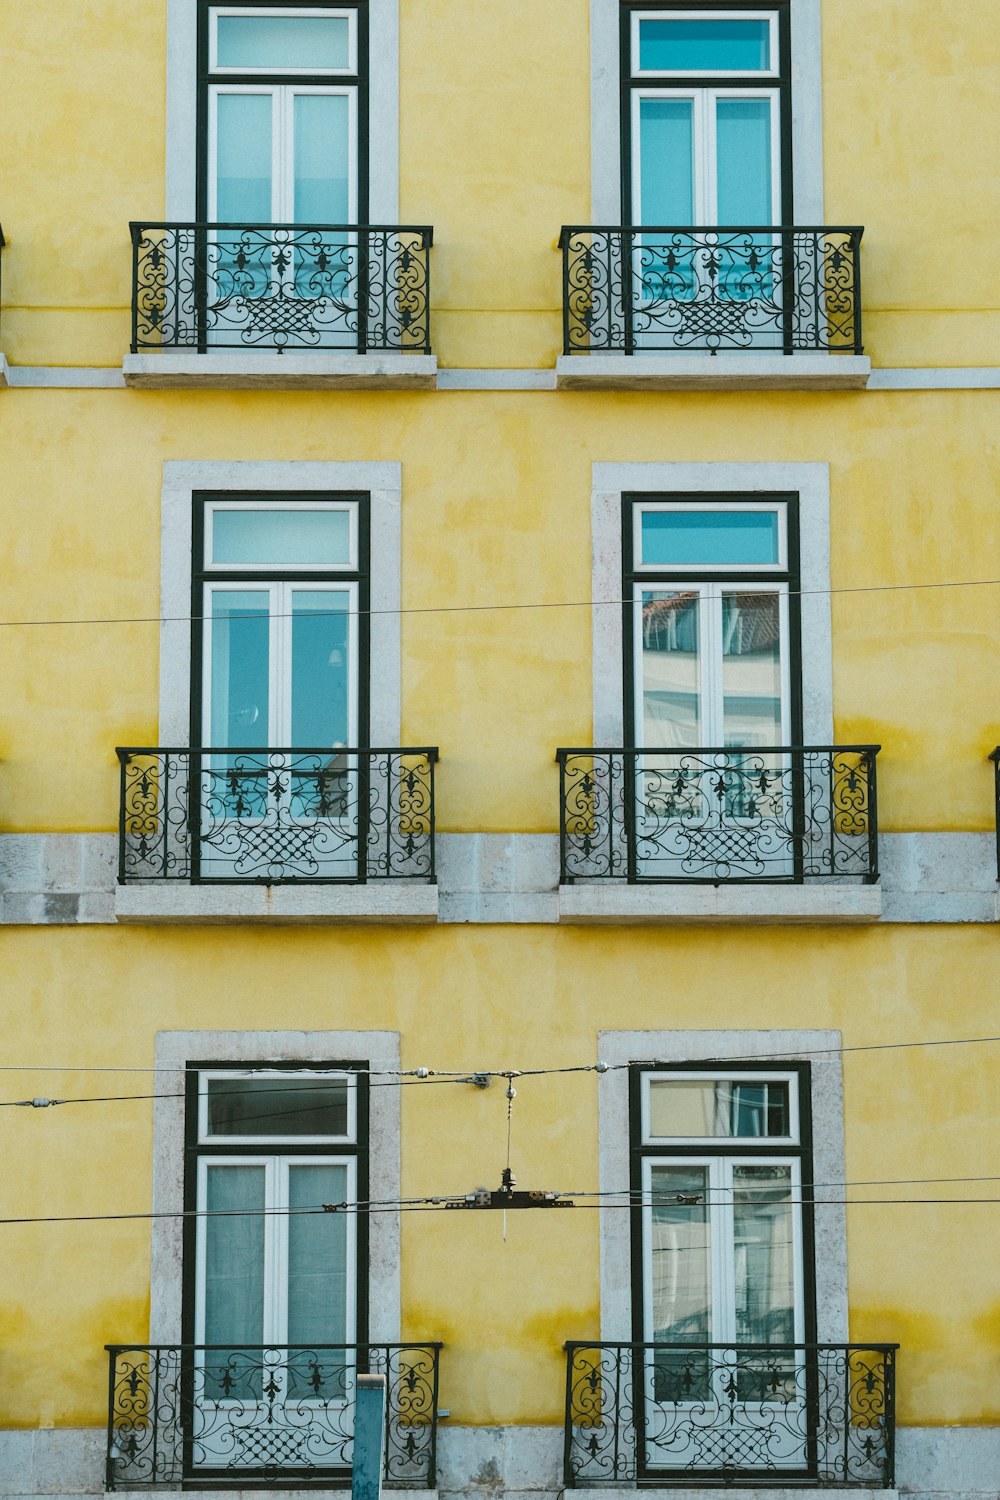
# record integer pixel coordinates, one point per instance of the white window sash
(205, 1075)
(706, 15)
(283, 13)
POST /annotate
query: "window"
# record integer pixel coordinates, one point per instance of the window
(724, 1249)
(705, 101)
(266, 1268)
(282, 110)
(713, 635)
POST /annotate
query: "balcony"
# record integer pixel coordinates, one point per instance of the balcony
(755, 1414)
(343, 305)
(194, 821)
(712, 308)
(236, 1417)
(747, 819)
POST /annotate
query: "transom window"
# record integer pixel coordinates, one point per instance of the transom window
(714, 658)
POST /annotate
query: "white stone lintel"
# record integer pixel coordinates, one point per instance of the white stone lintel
(639, 905)
(4, 371)
(236, 371)
(712, 372)
(392, 902)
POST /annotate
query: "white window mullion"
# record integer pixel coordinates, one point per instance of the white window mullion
(724, 1303)
(284, 147)
(276, 1313)
(710, 663)
(706, 169)
(279, 720)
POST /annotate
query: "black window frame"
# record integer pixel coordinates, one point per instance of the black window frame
(653, 577)
(727, 1146)
(783, 83)
(200, 575)
(195, 1151)
(358, 80)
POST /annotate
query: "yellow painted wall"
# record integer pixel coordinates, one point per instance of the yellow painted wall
(494, 152)
(491, 998)
(496, 511)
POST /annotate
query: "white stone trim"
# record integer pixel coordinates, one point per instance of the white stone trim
(812, 483)
(383, 95)
(807, 111)
(708, 372)
(613, 903)
(383, 481)
(174, 1049)
(4, 370)
(173, 902)
(620, 1047)
(272, 370)
(934, 378)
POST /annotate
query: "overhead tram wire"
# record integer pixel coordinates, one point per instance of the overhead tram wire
(409, 1077)
(445, 609)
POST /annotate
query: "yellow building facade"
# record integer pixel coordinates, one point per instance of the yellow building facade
(504, 479)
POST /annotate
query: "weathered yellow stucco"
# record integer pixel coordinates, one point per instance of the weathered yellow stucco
(495, 154)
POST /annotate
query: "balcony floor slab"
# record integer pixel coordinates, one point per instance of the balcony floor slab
(659, 905)
(234, 370)
(386, 902)
(712, 372)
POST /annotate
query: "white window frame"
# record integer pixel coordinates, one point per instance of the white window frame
(175, 1050)
(275, 1268)
(733, 507)
(719, 1075)
(283, 1075)
(303, 480)
(182, 106)
(283, 507)
(283, 12)
(704, 166)
(770, 16)
(720, 1214)
(810, 481)
(280, 622)
(821, 1049)
(806, 123)
(282, 96)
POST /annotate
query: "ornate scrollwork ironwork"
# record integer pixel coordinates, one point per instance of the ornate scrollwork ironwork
(275, 816)
(719, 816)
(683, 1412)
(787, 290)
(274, 1413)
(276, 286)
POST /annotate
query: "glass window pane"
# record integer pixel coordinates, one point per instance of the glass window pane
(321, 668)
(751, 669)
(269, 1106)
(710, 538)
(764, 1254)
(743, 145)
(317, 1258)
(671, 669)
(666, 162)
(680, 1253)
(276, 42)
(243, 193)
(318, 538)
(240, 653)
(322, 186)
(703, 1107)
(730, 46)
(234, 1255)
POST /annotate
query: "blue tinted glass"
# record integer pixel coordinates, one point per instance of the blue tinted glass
(704, 46)
(666, 169)
(275, 42)
(709, 538)
(743, 143)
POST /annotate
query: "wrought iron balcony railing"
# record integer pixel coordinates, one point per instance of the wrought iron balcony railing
(711, 290)
(251, 1415)
(276, 816)
(785, 814)
(689, 1413)
(995, 758)
(288, 287)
